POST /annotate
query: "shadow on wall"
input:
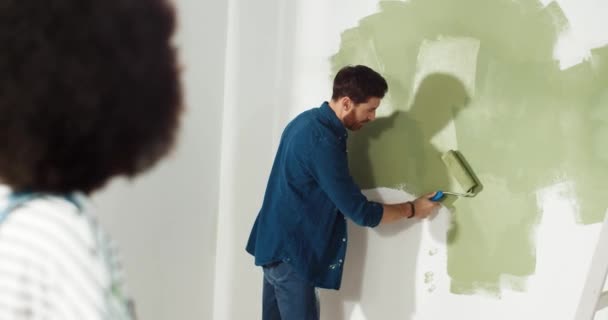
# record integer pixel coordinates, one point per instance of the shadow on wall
(528, 126)
(396, 151)
(438, 100)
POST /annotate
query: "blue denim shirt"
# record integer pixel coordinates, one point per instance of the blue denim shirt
(309, 193)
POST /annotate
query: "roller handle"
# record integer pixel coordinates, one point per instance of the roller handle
(438, 196)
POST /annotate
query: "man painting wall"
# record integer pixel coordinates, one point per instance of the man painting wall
(299, 236)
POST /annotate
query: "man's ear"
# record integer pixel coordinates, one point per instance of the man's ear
(347, 103)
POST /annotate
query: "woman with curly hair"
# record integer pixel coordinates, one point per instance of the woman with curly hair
(89, 90)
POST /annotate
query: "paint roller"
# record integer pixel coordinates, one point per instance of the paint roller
(462, 172)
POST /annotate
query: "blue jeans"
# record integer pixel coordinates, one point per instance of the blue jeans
(287, 296)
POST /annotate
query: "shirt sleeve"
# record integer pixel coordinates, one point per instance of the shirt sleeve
(329, 166)
(43, 274)
(25, 293)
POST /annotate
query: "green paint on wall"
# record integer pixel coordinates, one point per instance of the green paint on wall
(381, 154)
(524, 125)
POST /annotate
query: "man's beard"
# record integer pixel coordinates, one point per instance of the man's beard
(351, 123)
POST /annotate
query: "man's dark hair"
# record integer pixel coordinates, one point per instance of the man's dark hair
(89, 89)
(359, 83)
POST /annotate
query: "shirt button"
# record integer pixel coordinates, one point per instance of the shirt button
(340, 260)
(343, 239)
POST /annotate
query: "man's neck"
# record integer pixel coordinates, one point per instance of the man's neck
(335, 106)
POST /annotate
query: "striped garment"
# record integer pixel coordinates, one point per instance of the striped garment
(56, 263)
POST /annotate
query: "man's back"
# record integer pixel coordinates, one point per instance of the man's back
(301, 221)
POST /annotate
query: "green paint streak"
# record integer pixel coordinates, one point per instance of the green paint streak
(527, 126)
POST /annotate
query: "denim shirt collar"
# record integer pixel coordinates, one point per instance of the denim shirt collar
(336, 125)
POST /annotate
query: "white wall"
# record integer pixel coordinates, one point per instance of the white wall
(165, 221)
(249, 67)
(277, 66)
(258, 65)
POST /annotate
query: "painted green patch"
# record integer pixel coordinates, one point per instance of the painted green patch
(521, 122)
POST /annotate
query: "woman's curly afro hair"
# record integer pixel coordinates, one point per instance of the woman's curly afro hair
(89, 89)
